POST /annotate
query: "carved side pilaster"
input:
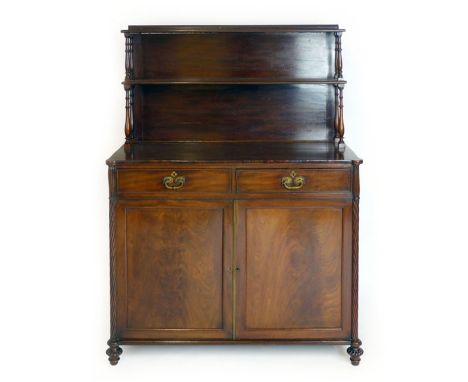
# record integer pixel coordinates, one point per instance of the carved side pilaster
(355, 269)
(113, 276)
(114, 351)
(338, 56)
(355, 350)
(112, 178)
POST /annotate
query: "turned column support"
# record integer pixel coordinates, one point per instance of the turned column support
(129, 75)
(128, 112)
(338, 56)
(339, 121)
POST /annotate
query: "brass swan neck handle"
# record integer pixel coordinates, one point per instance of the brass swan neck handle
(174, 181)
(293, 181)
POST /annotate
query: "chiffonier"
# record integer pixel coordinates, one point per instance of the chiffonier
(234, 202)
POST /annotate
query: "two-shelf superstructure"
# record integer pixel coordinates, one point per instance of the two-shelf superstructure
(185, 65)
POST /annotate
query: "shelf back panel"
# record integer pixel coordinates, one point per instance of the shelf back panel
(240, 111)
(234, 112)
(234, 55)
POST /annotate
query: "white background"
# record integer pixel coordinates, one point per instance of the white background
(62, 115)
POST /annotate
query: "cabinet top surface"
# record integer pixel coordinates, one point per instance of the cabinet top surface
(231, 153)
(231, 28)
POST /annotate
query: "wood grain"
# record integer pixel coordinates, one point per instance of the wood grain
(317, 180)
(235, 112)
(175, 269)
(292, 269)
(196, 180)
(233, 55)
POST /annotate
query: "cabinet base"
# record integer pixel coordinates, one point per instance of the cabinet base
(114, 351)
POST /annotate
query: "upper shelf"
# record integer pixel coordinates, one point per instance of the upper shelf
(167, 29)
(233, 57)
(233, 81)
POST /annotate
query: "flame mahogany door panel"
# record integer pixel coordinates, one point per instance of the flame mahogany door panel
(174, 269)
(293, 269)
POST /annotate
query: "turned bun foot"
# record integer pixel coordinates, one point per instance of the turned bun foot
(355, 352)
(113, 352)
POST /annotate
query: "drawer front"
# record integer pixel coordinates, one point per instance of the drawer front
(174, 181)
(290, 181)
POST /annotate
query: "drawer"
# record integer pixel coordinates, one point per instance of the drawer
(174, 181)
(290, 180)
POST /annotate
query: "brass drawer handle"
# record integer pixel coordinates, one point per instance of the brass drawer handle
(174, 182)
(293, 181)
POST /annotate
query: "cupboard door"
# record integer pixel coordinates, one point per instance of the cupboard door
(174, 270)
(294, 269)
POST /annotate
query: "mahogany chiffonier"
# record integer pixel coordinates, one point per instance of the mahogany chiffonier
(234, 202)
